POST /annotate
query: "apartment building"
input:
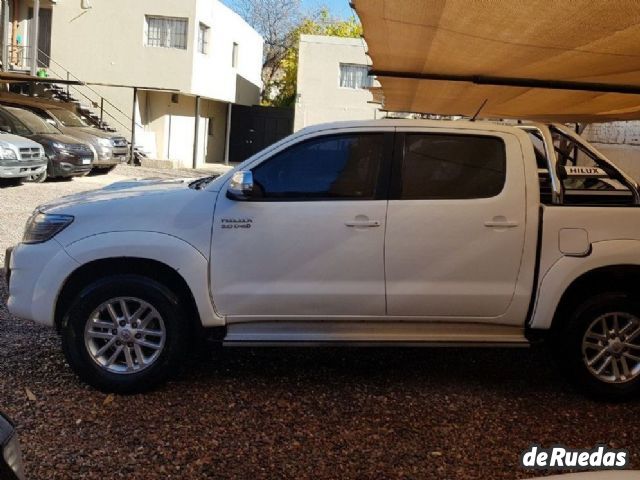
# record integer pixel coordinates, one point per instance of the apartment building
(333, 81)
(190, 61)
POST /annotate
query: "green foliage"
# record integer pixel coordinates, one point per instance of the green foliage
(281, 92)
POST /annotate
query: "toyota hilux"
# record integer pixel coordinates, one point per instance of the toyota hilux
(394, 232)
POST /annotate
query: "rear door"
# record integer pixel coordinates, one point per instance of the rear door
(455, 223)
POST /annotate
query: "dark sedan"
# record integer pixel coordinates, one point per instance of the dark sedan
(67, 156)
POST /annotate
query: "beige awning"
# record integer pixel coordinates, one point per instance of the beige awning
(563, 60)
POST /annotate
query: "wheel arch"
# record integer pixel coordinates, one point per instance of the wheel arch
(610, 264)
(153, 269)
(610, 278)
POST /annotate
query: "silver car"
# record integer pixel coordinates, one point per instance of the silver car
(21, 158)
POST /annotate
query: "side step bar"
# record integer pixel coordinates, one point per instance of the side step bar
(373, 333)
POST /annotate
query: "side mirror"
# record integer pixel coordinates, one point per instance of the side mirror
(50, 121)
(11, 466)
(241, 186)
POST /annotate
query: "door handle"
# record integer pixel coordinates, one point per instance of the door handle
(495, 223)
(362, 223)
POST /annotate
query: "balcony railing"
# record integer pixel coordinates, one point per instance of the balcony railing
(18, 57)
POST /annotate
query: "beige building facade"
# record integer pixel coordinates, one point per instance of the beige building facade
(333, 81)
(183, 56)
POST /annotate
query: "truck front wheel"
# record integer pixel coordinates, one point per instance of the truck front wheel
(124, 333)
(600, 345)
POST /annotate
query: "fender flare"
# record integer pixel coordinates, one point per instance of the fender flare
(172, 251)
(561, 275)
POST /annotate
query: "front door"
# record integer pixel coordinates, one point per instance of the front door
(309, 243)
(455, 225)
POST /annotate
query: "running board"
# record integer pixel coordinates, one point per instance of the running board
(374, 333)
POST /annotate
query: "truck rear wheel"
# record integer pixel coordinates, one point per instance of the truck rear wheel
(600, 346)
(124, 333)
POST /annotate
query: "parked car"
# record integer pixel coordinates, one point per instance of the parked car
(368, 233)
(67, 157)
(11, 467)
(21, 158)
(110, 148)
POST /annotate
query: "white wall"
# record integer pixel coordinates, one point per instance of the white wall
(320, 97)
(213, 74)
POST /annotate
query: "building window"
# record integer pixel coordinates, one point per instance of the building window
(234, 55)
(203, 38)
(355, 76)
(167, 32)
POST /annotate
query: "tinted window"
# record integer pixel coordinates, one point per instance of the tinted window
(342, 166)
(452, 167)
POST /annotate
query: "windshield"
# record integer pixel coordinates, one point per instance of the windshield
(33, 122)
(68, 118)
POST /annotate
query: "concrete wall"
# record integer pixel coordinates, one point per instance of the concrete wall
(620, 142)
(320, 97)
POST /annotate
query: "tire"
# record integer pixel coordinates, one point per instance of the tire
(40, 178)
(10, 182)
(590, 337)
(103, 171)
(82, 350)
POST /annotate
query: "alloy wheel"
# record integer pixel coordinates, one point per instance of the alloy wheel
(611, 347)
(125, 335)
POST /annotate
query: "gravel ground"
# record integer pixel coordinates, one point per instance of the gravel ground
(298, 413)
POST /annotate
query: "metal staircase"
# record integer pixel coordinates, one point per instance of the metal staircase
(94, 108)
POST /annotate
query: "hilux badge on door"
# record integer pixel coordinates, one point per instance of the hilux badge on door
(236, 222)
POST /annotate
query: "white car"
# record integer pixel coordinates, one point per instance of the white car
(364, 233)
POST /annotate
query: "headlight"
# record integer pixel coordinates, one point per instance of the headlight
(11, 462)
(8, 154)
(105, 142)
(43, 226)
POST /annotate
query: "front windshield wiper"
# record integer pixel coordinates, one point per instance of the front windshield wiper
(200, 183)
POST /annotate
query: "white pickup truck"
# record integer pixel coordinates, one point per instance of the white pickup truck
(394, 232)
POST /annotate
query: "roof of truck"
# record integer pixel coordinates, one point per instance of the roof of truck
(407, 123)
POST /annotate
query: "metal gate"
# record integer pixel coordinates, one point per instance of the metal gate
(255, 128)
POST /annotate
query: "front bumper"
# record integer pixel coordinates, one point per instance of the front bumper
(36, 274)
(107, 157)
(69, 167)
(22, 168)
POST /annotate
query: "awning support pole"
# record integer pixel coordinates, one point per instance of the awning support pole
(196, 132)
(6, 43)
(133, 126)
(513, 82)
(227, 134)
(33, 36)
